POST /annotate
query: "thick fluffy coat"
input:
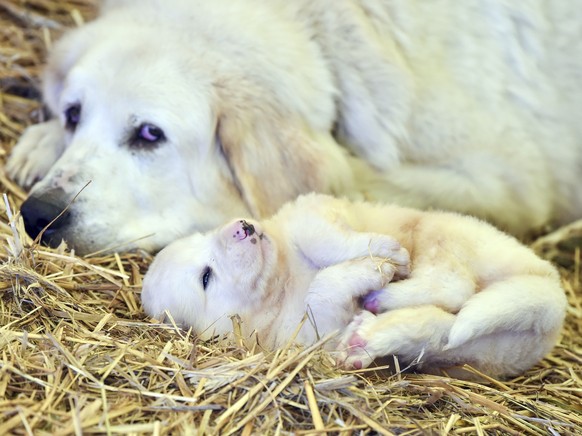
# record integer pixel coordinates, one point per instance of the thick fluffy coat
(185, 113)
(467, 294)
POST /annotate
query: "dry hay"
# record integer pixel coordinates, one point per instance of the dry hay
(78, 355)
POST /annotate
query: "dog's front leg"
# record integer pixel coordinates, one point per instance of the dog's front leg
(35, 153)
(332, 298)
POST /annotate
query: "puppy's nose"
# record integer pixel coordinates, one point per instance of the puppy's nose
(249, 229)
(39, 211)
(239, 230)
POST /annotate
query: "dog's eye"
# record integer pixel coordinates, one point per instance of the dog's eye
(205, 278)
(146, 136)
(72, 116)
(148, 133)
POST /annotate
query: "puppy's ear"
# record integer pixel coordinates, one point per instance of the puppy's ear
(274, 156)
(62, 58)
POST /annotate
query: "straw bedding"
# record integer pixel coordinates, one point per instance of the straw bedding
(77, 355)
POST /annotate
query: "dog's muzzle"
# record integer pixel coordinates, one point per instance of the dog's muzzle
(41, 211)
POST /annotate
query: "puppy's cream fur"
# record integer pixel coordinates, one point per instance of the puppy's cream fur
(468, 293)
(472, 106)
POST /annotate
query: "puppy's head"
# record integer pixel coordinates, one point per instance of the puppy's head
(175, 138)
(203, 279)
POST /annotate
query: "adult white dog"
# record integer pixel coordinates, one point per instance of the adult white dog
(184, 113)
(468, 293)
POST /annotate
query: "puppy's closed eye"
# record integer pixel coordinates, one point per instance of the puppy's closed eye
(205, 277)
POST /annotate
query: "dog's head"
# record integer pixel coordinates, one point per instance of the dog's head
(204, 279)
(176, 134)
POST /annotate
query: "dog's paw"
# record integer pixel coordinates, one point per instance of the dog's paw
(389, 249)
(37, 150)
(355, 350)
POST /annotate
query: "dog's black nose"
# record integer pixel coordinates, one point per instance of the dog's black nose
(39, 212)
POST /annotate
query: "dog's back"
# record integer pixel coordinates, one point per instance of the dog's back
(470, 106)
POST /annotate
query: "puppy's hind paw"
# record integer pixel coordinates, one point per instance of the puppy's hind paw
(371, 301)
(353, 350)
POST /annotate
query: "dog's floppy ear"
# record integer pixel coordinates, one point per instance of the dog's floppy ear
(62, 58)
(274, 157)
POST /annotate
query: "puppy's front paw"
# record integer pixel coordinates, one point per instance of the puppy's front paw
(389, 249)
(37, 150)
(355, 350)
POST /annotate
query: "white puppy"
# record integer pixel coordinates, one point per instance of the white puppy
(468, 294)
(186, 113)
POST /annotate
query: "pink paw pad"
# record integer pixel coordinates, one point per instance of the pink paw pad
(356, 341)
(371, 302)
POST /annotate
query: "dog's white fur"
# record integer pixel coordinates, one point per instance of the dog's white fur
(468, 294)
(472, 106)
